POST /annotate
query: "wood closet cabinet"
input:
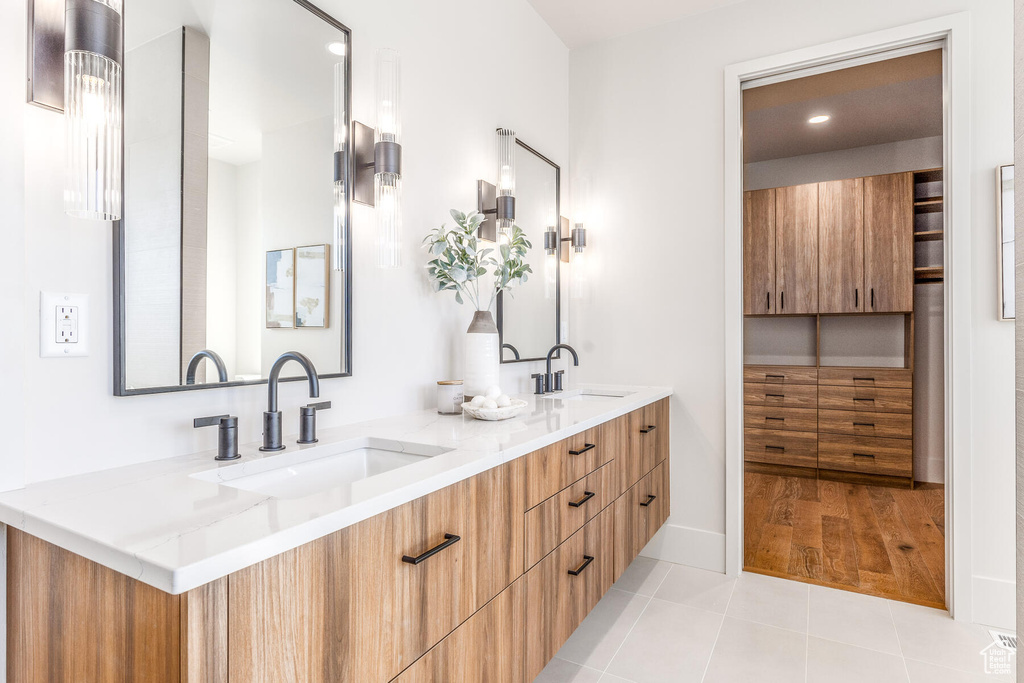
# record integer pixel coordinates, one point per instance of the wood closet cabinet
(796, 249)
(889, 243)
(841, 246)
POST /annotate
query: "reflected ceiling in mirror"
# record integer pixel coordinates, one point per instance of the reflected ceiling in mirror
(529, 315)
(233, 112)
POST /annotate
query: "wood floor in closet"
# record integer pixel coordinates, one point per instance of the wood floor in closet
(888, 542)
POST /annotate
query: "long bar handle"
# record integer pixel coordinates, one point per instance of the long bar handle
(648, 429)
(449, 540)
(586, 447)
(587, 559)
(650, 499)
(587, 495)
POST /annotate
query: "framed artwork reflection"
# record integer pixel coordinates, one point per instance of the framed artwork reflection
(281, 288)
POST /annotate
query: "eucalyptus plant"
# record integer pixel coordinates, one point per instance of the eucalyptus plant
(460, 259)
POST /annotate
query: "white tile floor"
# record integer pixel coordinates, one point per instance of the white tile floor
(666, 623)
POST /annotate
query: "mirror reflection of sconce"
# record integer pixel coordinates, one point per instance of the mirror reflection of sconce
(562, 241)
(341, 90)
(378, 161)
(498, 203)
(75, 66)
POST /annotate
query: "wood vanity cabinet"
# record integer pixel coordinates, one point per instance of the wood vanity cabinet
(759, 252)
(483, 580)
(796, 249)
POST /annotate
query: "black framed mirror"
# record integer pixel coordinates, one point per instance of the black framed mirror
(233, 246)
(529, 317)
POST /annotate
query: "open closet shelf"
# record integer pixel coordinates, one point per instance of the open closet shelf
(928, 236)
(928, 274)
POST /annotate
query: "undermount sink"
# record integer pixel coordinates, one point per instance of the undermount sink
(338, 466)
(589, 395)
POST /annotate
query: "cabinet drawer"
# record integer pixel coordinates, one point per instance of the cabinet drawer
(788, 396)
(866, 399)
(775, 447)
(780, 374)
(893, 378)
(647, 438)
(561, 515)
(487, 647)
(865, 454)
(563, 587)
(857, 423)
(784, 419)
(551, 469)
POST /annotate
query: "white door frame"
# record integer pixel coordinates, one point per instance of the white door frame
(954, 32)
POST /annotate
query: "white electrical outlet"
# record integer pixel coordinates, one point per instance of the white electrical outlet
(63, 325)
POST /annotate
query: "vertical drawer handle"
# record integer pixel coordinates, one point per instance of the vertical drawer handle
(587, 495)
(767, 301)
(782, 301)
(449, 540)
(863, 455)
(856, 298)
(586, 447)
(587, 559)
(648, 429)
(650, 499)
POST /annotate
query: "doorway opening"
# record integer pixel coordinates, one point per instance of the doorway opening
(843, 353)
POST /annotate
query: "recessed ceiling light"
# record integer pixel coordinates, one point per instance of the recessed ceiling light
(820, 118)
(336, 48)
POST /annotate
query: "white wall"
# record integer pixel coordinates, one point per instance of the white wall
(222, 249)
(405, 337)
(647, 128)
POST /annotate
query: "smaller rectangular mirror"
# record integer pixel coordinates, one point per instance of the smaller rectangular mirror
(529, 316)
(1006, 237)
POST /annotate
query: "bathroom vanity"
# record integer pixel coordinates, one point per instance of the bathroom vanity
(417, 548)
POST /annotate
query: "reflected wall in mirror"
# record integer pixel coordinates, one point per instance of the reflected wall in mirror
(234, 111)
(529, 315)
(1006, 240)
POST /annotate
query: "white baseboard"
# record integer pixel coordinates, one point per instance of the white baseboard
(995, 602)
(692, 547)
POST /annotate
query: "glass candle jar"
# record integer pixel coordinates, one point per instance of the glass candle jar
(449, 397)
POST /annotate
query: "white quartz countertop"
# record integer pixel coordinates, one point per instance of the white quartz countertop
(159, 524)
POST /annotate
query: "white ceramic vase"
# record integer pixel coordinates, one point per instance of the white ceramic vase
(483, 356)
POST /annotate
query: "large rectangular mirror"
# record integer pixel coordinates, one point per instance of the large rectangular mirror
(232, 249)
(529, 315)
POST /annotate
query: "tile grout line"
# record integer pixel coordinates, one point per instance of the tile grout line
(718, 635)
(630, 631)
(903, 655)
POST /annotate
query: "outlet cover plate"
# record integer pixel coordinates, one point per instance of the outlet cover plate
(49, 306)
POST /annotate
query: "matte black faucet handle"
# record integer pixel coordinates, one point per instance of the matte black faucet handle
(307, 421)
(538, 383)
(227, 435)
(558, 379)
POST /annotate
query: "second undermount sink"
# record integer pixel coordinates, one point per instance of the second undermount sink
(308, 471)
(589, 395)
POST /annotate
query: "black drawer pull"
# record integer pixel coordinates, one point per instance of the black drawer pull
(863, 424)
(586, 447)
(648, 429)
(863, 455)
(870, 400)
(587, 559)
(775, 396)
(781, 449)
(863, 379)
(449, 540)
(767, 301)
(774, 376)
(650, 499)
(769, 417)
(856, 298)
(587, 495)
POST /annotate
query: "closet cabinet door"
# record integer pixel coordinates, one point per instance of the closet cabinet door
(841, 246)
(796, 249)
(759, 252)
(889, 243)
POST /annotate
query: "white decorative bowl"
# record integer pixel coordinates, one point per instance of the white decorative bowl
(493, 414)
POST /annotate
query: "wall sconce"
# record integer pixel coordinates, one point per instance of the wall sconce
(75, 66)
(380, 158)
(562, 239)
(498, 204)
(340, 155)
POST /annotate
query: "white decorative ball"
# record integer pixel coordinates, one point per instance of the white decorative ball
(493, 392)
(503, 401)
(478, 400)
(489, 404)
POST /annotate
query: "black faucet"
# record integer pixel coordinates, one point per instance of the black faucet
(548, 382)
(272, 418)
(193, 365)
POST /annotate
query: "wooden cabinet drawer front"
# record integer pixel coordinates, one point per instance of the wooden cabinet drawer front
(657, 501)
(788, 396)
(797, 449)
(780, 374)
(647, 438)
(866, 399)
(784, 419)
(562, 515)
(551, 469)
(856, 423)
(893, 378)
(864, 454)
(660, 418)
(556, 600)
(487, 647)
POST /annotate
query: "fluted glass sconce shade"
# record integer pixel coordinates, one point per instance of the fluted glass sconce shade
(92, 109)
(387, 182)
(340, 157)
(505, 143)
(578, 240)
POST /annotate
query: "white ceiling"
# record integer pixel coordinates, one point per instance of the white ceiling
(579, 22)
